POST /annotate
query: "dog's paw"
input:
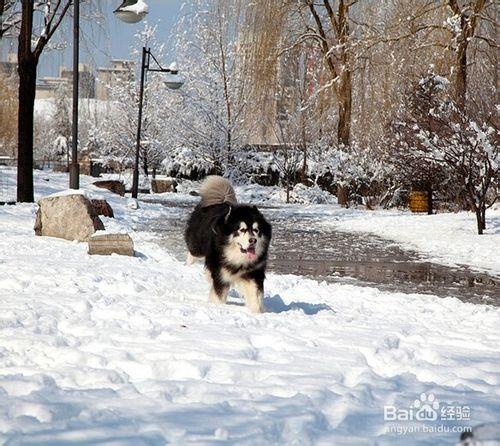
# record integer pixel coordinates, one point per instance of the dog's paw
(257, 309)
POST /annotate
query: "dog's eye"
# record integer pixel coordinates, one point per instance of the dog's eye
(255, 231)
(242, 230)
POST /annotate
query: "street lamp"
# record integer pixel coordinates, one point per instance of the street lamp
(172, 81)
(130, 11)
(74, 167)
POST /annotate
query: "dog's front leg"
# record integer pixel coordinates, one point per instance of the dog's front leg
(253, 292)
(218, 292)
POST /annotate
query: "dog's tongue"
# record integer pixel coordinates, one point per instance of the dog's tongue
(251, 253)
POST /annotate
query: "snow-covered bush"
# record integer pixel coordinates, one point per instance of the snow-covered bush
(359, 170)
(184, 162)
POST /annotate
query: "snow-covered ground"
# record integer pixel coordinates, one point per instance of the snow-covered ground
(127, 351)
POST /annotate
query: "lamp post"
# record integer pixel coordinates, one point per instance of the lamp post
(130, 11)
(174, 83)
(74, 167)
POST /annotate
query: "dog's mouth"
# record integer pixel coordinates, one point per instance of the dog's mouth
(249, 252)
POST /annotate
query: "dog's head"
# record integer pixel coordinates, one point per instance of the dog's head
(247, 235)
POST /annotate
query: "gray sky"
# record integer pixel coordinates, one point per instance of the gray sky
(113, 40)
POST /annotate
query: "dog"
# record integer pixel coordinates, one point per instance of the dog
(233, 239)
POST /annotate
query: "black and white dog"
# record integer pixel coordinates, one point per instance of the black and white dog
(233, 238)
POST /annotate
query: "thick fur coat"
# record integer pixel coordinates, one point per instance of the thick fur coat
(233, 239)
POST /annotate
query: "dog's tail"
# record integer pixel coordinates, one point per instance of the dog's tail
(217, 190)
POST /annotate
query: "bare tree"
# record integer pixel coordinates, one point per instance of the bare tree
(9, 18)
(30, 48)
(288, 158)
(464, 26)
(331, 29)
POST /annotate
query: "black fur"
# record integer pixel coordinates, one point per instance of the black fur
(207, 233)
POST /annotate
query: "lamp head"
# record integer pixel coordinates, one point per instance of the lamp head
(173, 80)
(131, 11)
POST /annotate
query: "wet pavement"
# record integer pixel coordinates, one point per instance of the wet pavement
(302, 245)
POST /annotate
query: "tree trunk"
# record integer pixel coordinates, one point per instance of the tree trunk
(304, 146)
(483, 215)
(27, 90)
(343, 195)
(345, 107)
(288, 190)
(479, 220)
(145, 163)
(461, 75)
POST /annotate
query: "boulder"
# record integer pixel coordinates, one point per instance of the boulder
(71, 217)
(162, 186)
(107, 244)
(114, 186)
(102, 207)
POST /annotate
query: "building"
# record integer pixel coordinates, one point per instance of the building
(119, 72)
(86, 80)
(47, 86)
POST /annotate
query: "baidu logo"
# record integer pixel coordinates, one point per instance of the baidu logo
(427, 414)
(426, 407)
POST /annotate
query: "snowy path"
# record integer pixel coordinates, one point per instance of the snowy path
(127, 351)
(306, 244)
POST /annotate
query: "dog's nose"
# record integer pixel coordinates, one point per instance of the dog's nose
(252, 241)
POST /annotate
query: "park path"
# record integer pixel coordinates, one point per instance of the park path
(302, 246)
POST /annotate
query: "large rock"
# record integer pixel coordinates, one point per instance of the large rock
(107, 244)
(162, 186)
(71, 217)
(112, 185)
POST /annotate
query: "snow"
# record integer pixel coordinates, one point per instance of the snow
(120, 350)
(139, 7)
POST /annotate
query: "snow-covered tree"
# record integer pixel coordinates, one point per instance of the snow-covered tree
(116, 136)
(61, 123)
(206, 118)
(407, 152)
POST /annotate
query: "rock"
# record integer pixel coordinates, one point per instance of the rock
(114, 186)
(71, 217)
(102, 207)
(107, 244)
(162, 186)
